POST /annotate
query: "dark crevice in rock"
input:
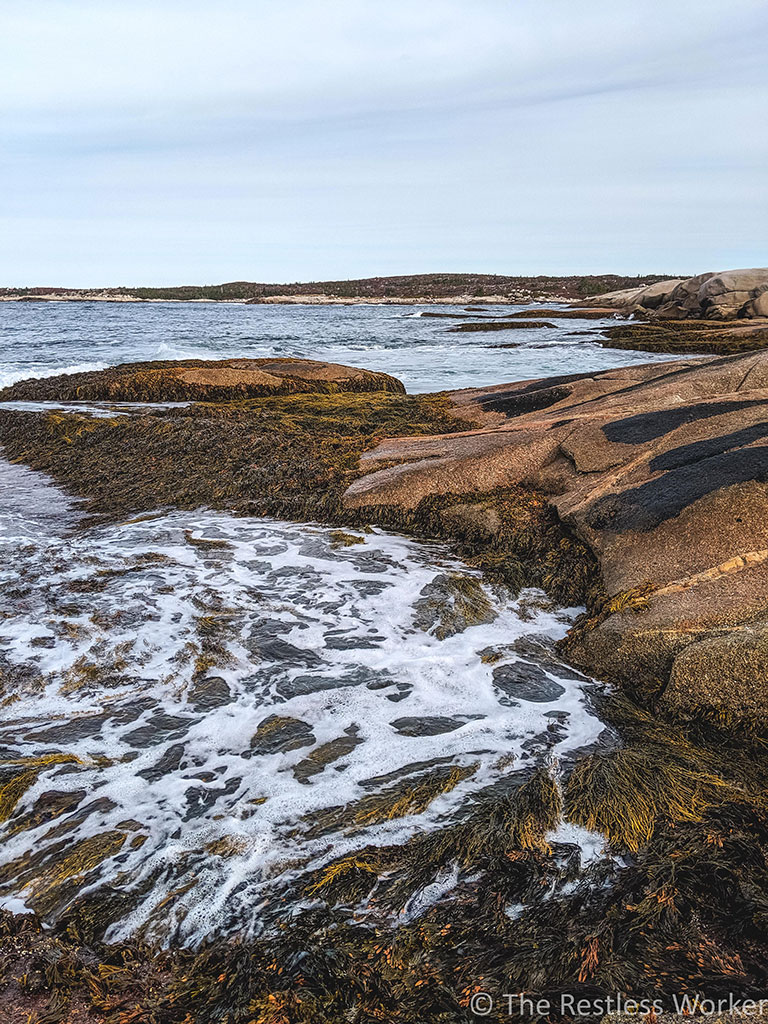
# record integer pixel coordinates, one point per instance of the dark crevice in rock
(519, 402)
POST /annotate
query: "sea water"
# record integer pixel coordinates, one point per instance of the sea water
(191, 665)
(44, 338)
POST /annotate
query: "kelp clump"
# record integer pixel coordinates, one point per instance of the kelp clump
(702, 336)
(496, 902)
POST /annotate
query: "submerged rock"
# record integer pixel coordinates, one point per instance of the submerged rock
(209, 692)
(430, 725)
(280, 733)
(525, 681)
(326, 754)
(450, 604)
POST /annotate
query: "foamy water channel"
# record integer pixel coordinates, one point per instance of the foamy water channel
(202, 708)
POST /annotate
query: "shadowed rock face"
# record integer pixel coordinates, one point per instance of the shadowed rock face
(663, 471)
(203, 380)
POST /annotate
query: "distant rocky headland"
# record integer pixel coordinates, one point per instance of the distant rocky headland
(723, 295)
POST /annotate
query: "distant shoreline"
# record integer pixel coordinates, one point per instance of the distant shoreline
(301, 300)
(405, 289)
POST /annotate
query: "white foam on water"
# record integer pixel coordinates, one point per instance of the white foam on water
(33, 371)
(591, 844)
(100, 410)
(157, 652)
(446, 881)
(13, 905)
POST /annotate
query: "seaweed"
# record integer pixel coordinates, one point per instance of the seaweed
(681, 803)
(20, 781)
(293, 457)
(217, 380)
(683, 336)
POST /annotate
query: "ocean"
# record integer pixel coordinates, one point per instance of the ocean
(41, 338)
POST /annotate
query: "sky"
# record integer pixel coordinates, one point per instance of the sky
(185, 142)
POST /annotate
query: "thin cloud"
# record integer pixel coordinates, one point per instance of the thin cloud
(332, 139)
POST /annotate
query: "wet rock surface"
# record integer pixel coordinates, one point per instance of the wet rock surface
(528, 682)
(278, 734)
(429, 725)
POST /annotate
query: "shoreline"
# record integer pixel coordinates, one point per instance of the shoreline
(300, 300)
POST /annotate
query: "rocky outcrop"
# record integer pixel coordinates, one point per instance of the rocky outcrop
(705, 337)
(501, 325)
(663, 471)
(645, 297)
(202, 380)
(726, 295)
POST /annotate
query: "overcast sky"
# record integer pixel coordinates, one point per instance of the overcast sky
(177, 141)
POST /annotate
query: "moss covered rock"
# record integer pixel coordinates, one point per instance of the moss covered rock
(202, 380)
(703, 336)
(739, 658)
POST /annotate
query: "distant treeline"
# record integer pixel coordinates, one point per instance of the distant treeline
(431, 286)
